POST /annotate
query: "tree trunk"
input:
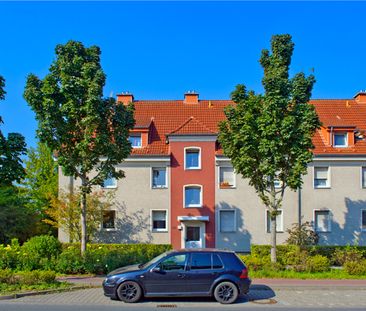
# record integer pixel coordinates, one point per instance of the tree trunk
(83, 219)
(273, 239)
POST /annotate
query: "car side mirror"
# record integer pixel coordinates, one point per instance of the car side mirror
(156, 269)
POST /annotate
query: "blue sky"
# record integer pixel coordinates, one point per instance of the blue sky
(159, 50)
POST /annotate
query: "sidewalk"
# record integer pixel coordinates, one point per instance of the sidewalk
(294, 284)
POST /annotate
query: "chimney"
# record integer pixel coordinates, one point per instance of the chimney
(191, 97)
(125, 98)
(360, 97)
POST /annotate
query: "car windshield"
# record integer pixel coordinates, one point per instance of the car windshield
(152, 261)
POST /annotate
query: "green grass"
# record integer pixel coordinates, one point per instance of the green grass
(8, 289)
(335, 274)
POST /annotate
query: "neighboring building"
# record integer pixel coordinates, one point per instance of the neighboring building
(181, 189)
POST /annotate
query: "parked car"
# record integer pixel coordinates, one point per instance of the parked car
(186, 272)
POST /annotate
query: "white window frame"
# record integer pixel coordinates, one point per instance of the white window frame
(136, 134)
(199, 158)
(329, 221)
(152, 220)
(362, 229)
(340, 146)
(268, 230)
(362, 168)
(201, 196)
(219, 220)
(111, 186)
(328, 186)
(152, 175)
(115, 218)
(219, 175)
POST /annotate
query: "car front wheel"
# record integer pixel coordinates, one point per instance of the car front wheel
(226, 293)
(129, 292)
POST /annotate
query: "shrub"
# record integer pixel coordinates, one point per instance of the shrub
(6, 276)
(317, 263)
(303, 235)
(47, 276)
(355, 267)
(255, 262)
(347, 254)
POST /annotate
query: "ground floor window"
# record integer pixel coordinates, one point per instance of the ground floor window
(227, 220)
(159, 220)
(109, 220)
(322, 221)
(279, 221)
(363, 220)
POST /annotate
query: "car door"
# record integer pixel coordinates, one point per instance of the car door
(201, 273)
(169, 278)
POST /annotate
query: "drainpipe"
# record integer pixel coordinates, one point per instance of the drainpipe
(331, 136)
(299, 206)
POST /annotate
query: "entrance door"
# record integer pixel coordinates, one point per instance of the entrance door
(194, 235)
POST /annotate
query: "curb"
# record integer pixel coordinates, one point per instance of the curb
(47, 291)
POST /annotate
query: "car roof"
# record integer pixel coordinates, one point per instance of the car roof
(201, 250)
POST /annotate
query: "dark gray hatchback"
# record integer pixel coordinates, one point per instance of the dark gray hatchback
(186, 272)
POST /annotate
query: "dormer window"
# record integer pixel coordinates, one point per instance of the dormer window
(135, 140)
(340, 140)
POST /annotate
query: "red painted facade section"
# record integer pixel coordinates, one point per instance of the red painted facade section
(181, 177)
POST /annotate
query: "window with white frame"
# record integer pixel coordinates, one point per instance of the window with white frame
(227, 177)
(159, 220)
(227, 220)
(321, 177)
(322, 221)
(363, 220)
(135, 140)
(159, 179)
(192, 196)
(110, 182)
(340, 140)
(109, 220)
(363, 177)
(279, 221)
(192, 158)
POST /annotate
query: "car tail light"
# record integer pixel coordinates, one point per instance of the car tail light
(244, 274)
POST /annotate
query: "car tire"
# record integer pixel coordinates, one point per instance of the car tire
(226, 292)
(129, 292)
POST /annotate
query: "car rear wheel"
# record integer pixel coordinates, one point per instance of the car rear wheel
(226, 292)
(129, 292)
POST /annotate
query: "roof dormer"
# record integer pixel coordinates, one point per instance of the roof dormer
(339, 136)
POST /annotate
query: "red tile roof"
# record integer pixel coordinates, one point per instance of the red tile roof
(174, 117)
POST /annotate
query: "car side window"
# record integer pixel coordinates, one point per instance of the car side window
(200, 261)
(174, 263)
(216, 262)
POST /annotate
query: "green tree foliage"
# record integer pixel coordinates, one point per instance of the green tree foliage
(75, 120)
(302, 235)
(12, 148)
(40, 184)
(268, 137)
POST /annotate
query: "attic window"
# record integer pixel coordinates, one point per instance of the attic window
(135, 140)
(340, 140)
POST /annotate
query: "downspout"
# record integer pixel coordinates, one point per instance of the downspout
(299, 206)
(331, 136)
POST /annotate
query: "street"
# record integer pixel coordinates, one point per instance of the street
(261, 296)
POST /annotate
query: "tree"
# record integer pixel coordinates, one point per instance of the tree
(89, 132)
(40, 183)
(11, 150)
(65, 213)
(269, 137)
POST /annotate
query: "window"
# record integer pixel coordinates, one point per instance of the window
(159, 177)
(227, 220)
(200, 261)
(322, 221)
(227, 178)
(279, 221)
(135, 140)
(321, 177)
(363, 177)
(216, 262)
(192, 196)
(110, 182)
(159, 220)
(192, 159)
(174, 263)
(340, 140)
(363, 220)
(109, 218)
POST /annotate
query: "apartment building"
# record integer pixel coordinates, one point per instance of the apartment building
(181, 189)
